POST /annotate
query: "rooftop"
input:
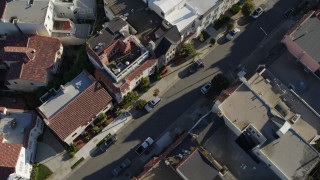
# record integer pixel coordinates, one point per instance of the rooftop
(29, 56)
(88, 100)
(202, 6)
(14, 125)
(9, 154)
(182, 17)
(292, 154)
(167, 5)
(204, 169)
(65, 94)
(20, 10)
(307, 36)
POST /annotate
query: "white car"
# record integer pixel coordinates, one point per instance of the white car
(232, 34)
(205, 89)
(151, 104)
(257, 13)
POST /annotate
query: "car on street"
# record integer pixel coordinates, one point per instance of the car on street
(205, 88)
(289, 12)
(144, 146)
(120, 168)
(232, 34)
(196, 66)
(256, 13)
(151, 104)
(107, 143)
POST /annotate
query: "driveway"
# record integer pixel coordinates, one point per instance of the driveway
(50, 151)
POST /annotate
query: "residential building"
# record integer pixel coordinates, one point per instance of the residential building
(190, 16)
(19, 131)
(120, 58)
(259, 112)
(30, 60)
(70, 109)
(166, 46)
(63, 19)
(302, 41)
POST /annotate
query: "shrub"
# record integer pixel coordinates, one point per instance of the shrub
(223, 19)
(230, 26)
(156, 92)
(235, 8)
(87, 137)
(187, 49)
(96, 129)
(200, 37)
(141, 104)
(102, 116)
(40, 171)
(212, 41)
(129, 99)
(145, 84)
(71, 154)
(248, 8)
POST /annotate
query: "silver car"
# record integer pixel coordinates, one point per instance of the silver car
(205, 89)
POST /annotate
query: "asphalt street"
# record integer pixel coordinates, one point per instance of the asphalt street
(225, 57)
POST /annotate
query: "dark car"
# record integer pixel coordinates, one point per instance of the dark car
(289, 12)
(107, 143)
(123, 165)
(195, 66)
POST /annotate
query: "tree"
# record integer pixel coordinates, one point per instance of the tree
(129, 99)
(145, 84)
(141, 104)
(187, 49)
(102, 116)
(96, 129)
(248, 8)
(235, 8)
(212, 41)
(230, 26)
(219, 82)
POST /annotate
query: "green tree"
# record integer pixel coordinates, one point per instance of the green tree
(230, 26)
(102, 116)
(141, 104)
(129, 99)
(187, 49)
(145, 84)
(219, 82)
(96, 129)
(235, 8)
(248, 8)
(212, 41)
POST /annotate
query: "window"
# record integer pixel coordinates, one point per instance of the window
(74, 134)
(75, 12)
(15, 82)
(162, 14)
(32, 84)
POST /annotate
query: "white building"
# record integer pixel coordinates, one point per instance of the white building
(53, 18)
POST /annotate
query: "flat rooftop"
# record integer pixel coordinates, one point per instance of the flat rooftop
(66, 94)
(182, 17)
(13, 126)
(306, 86)
(202, 6)
(292, 154)
(204, 169)
(34, 14)
(307, 36)
(223, 147)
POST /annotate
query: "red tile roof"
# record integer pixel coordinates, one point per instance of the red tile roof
(80, 110)
(9, 154)
(147, 64)
(33, 55)
(98, 74)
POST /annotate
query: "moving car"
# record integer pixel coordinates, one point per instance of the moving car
(257, 13)
(205, 89)
(195, 66)
(120, 168)
(107, 143)
(232, 34)
(151, 104)
(144, 146)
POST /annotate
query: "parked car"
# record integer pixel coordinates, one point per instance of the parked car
(107, 143)
(144, 146)
(151, 104)
(195, 66)
(257, 12)
(120, 168)
(232, 34)
(289, 12)
(205, 89)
